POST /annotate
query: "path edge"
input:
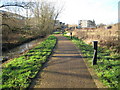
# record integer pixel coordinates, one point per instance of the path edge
(98, 83)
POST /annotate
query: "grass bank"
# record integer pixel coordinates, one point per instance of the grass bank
(108, 63)
(19, 72)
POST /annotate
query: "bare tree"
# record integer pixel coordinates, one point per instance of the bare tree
(46, 15)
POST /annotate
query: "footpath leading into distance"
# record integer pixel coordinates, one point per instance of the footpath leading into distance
(65, 68)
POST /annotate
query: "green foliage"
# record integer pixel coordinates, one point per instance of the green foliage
(19, 72)
(57, 32)
(108, 62)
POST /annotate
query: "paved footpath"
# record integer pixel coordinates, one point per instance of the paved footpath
(65, 69)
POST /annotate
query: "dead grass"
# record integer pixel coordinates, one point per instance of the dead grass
(106, 37)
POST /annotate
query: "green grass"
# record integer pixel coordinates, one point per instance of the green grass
(19, 72)
(57, 32)
(108, 63)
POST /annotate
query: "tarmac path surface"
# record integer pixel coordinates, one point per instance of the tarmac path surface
(65, 69)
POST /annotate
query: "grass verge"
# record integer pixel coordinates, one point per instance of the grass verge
(57, 32)
(19, 72)
(108, 63)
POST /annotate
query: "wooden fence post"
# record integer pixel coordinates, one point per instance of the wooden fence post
(95, 52)
(71, 34)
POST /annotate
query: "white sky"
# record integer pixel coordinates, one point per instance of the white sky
(102, 11)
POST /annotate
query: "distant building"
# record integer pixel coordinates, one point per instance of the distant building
(87, 24)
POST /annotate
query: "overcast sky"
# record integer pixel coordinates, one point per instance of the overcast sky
(102, 11)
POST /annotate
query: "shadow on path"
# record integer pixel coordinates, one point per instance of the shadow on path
(65, 69)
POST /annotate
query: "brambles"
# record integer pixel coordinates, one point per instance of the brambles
(19, 72)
